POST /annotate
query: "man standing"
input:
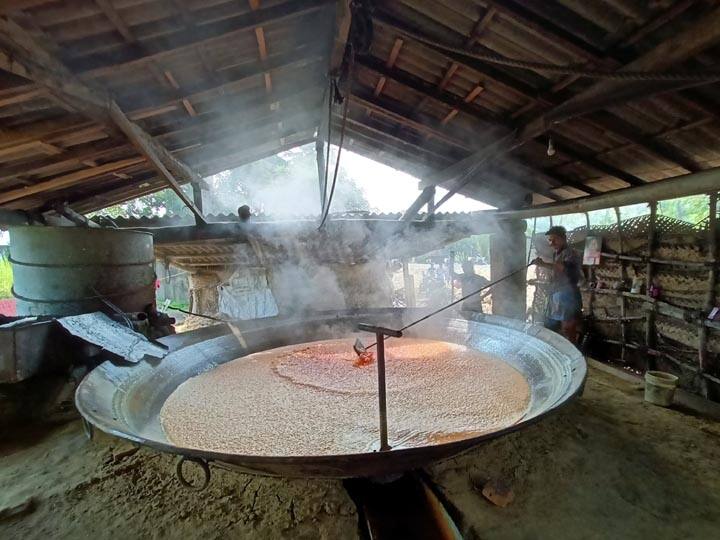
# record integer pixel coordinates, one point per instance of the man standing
(469, 283)
(565, 302)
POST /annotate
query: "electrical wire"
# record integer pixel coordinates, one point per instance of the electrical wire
(570, 69)
(327, 150)
(346, 104)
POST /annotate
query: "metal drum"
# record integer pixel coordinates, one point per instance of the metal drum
(73, 270)
(125, 400)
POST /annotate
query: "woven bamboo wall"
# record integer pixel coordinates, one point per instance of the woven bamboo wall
(668, 333)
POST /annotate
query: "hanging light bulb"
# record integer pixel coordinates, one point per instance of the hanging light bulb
(551, 147)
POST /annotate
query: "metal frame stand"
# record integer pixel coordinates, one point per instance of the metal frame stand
(380, 334)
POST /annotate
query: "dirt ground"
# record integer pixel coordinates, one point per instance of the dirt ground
(607, 466)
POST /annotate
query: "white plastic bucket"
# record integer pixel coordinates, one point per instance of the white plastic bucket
(660, 387)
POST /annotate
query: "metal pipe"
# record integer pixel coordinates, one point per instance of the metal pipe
(380, 333)
(382, 398)
(679, 186)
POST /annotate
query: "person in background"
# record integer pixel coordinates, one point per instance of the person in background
(564, 308)
(469, 283)
(244, 213)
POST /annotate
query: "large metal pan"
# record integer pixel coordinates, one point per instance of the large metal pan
(125, 400)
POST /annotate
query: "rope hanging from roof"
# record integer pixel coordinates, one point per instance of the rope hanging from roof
(569, 69)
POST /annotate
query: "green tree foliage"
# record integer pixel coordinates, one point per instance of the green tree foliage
(282, 185)
(160, 203)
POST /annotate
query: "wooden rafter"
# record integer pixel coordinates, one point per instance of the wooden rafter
(540, 182)
(129, 37)
(392, 58)
(607, 123)
(649, 61)
(142, 105)
(343, 20)
(8, 6)
(262, 46)
(22, 56)
(703, 34)
(68, 180)
(102, 63)
(146, 105)
(426, 89)
(480, 26)
(469, 98)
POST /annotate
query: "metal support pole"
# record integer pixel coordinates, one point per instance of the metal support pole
(382, 399)
(380, 333)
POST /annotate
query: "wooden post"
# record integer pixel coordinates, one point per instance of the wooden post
(452, 276)
(621, 298)
(197, 199)
(712, 257)
(507, 254)
(591, 279)
(431, 204)
(649, 275)
(409, 284)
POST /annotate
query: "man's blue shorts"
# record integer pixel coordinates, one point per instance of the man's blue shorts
(565, 305)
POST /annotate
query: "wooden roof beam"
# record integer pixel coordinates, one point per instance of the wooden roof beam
(143, 105)
(540, 182)
(112, 15)
(259, 112)
(363, 124)
(343, 20)
(480, 26)
(66, 159)
(239, 155)
(260, 131)
(566, 147)
(8, 6)
(420, 125)
(23, 56)
(469, 98)
(67, 180)
(98, 64)
(659, 148)
(426, 89)
(392, 58)
(692, 40)
(262, 45)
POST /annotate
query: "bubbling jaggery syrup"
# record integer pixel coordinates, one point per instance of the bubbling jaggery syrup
(314, 399)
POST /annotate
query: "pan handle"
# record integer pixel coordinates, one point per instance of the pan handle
(181, 475)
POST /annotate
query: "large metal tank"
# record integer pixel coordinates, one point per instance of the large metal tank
(73, 270)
